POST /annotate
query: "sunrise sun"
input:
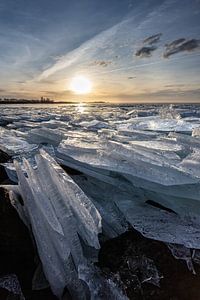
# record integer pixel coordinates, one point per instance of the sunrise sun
(81, 85)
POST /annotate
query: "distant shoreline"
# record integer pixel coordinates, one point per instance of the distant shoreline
(93, 103)
(48, 102)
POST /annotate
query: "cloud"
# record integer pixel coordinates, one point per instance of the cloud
(57, 94)
(174, 94)
(86, 49)
(165, 95)
(176, 46)
(101, 63)
(175, 43)
(145, 51)
(175, 85)
(153, 39)
(181, 45)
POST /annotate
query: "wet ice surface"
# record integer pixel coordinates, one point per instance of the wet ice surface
(140, 167)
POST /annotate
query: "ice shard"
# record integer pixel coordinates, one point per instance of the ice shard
(162, 225)
(44, 135)
(158, 223)
(12, 144)
(129, 167)
(58, 212)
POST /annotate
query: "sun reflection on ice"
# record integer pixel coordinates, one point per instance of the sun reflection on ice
(80, 108)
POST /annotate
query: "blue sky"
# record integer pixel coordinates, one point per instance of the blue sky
(131, 50)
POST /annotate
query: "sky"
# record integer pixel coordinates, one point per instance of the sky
(130, 50)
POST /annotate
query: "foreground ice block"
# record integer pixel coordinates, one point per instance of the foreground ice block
(13, 144)
(44, 135)
(61, 217)
(162, 225)
(130, 166)
(153, 222)
(103, 196)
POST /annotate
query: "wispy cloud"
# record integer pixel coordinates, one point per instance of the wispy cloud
(169, 95)
(73, 56)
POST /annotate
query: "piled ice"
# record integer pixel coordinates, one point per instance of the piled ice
(137, 167)
(153, 222)
(13, 144)
(131, 166)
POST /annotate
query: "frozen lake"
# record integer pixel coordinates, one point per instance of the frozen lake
(135, 166)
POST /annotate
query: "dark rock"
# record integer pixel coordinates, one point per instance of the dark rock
(4, 157)
(17, 252)
(177, 282)
(3, 294)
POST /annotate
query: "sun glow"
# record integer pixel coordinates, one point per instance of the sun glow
(80, 108)
(81, 85)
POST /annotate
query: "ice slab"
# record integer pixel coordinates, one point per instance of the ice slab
(196, 132)
(45, 135)
(151, 170)
(157, 123)
(162, 225)
(94, 124)
(12, 144)
(59, 212)
(160, 145)
(103, 196)
(191, 163)
(153, 222)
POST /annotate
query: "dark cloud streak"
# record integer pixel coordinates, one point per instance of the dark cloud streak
(101, 63)
(153, 39)
(145, 51)
(181, 45)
